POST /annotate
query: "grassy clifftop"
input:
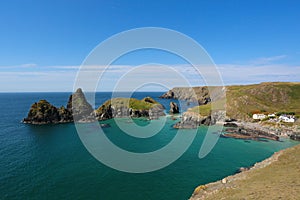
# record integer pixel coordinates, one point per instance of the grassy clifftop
(243, 100)
(144, 104)
(278, 180)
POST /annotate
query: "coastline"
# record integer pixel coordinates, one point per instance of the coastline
(251, 130)
(231, 182)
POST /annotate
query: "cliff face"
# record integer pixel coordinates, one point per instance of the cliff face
(195, 94)
(192, 119)
(125, 107)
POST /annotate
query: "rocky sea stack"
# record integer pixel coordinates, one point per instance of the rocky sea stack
(174, 109)
(80, 110)
(43, 112)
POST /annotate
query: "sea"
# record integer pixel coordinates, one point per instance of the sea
(51, 162)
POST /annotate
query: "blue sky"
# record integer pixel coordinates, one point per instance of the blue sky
(42, 43)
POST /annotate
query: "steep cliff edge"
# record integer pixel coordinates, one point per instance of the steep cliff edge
(195, 94)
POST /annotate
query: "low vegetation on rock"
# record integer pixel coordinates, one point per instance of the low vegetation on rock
(79, 109)
(130, 107)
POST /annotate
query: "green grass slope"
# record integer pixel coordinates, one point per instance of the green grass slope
(279, 180)
(243, 100)
(144, 104)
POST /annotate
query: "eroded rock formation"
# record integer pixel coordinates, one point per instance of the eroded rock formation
(174, 109)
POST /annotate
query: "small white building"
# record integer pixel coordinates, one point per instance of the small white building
(259, 116)
(286, 118)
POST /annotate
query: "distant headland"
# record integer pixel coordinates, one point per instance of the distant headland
(278, 102)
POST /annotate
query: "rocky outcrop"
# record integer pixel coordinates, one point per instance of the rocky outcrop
(78, 108)
(249, 134)
(82, 111)
(156, 111)
(194, 94)
(65, 115)
(230, 124)
(193, 120)
(130, 107)
(43, 112)
(174, 109)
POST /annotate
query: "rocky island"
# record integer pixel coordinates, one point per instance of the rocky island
(43, 112)
(80, 110)
(130, 107)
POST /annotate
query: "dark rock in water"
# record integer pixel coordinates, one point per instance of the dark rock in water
(65, 115)
(79, 107)
(43, 112)
(228, 124)
(174, 109)
(295, 137)
(248, 133)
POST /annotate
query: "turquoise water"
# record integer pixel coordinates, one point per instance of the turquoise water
(50, 162)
